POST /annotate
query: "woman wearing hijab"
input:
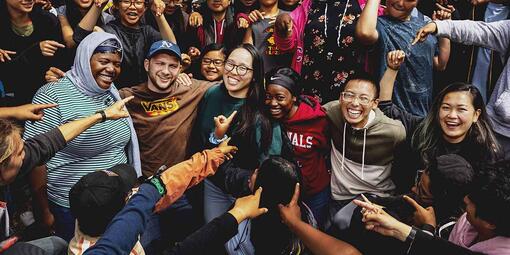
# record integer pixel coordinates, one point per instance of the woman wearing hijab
(87, 88)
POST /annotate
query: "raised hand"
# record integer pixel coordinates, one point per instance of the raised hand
(256, 15)
(193, 52)
(118, 110)
(158, 7)
(242, 23)
(443, 13)
(4, 55)
(222, 124)
(195, 19)
(291, 213)
(53, 74)
(248, 207)
(422, 215)
(227, 150)
(283, 25)
(395, 58)
(49, 47)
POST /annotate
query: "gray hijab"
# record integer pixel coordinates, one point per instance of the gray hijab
(81, 76)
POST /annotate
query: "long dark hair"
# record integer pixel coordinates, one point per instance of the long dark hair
(428, 135)
(251, 114)
(278, 177)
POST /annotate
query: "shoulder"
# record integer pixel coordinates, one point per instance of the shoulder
(392, 126)
(214, 90)
(331, 107)
(56, 89)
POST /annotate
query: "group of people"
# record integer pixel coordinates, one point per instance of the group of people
(254, 127)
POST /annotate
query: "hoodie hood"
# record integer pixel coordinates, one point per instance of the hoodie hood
(309, 109)
(81, 73)
(81, 76)
(463, 234)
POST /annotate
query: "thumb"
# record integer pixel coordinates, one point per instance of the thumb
(127, 99)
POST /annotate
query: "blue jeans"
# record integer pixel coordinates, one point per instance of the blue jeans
(215, 204)
(64, 221)
(318, 203)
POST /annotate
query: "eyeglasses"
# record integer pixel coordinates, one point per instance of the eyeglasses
(216, 62)
(350, 97)
(138, 4)
(241, 70)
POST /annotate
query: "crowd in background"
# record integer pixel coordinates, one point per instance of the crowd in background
(254, 127)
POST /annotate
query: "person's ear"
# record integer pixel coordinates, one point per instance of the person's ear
(146, 65)
(477, 114)
(375, 104)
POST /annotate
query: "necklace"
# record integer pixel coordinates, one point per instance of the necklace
(23, 31)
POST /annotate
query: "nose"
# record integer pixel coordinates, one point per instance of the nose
(452, 114)
(274, 102)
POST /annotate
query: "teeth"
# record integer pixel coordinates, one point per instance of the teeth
(232, 80)
(354, 113)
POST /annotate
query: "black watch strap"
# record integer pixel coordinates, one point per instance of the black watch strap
(103, 115)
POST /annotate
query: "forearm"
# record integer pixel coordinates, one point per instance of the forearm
(90, 19)
(123, 231)
(73, 129)
(5, 113)
(67, 32)
(165, 29)
(366, 28)
(38, 178)
(320, 243)
(494, 35)
(386, 84)
(441, 61)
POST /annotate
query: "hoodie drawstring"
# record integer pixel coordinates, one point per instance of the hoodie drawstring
(343, 147)
(341, 22)
(362, 155)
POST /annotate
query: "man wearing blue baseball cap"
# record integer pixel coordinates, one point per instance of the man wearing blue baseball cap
(163, 111)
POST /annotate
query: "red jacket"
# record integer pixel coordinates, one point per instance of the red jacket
(308, 132)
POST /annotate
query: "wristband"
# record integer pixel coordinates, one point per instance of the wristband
(410, 239)
(103, 115)
(216, 141)
(156, 181)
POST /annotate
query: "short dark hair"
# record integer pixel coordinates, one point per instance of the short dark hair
(366, 77)
(491, 196)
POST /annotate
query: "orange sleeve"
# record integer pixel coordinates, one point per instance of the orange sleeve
(188, 173)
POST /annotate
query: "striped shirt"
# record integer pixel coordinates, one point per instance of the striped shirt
(99, 147)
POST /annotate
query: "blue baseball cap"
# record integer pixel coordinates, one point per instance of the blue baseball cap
(171, 48)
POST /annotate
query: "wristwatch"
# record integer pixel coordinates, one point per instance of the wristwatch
(156, 181)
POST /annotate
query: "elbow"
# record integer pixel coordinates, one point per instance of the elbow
(365, 36)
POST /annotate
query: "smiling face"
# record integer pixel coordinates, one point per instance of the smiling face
(162, 70)
(11, 170)
(281, 103)
(352, 102)
(84, 4)
(105, 68)
(235, 81)
(400, 9)
(247, 3)
(218, 6)
(21, 6)
(456, 115)
(130, 12)
(212, 65)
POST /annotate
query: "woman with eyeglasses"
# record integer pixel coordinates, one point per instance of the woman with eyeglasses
(211, 64)
(457, 123)
(251, 130)
(30, 44)
(135, 36)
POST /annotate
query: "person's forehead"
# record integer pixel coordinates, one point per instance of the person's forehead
(360, 87)
(241, 56)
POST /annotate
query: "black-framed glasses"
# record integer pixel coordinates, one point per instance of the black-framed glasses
(241, 70)
(350, 97)
(138, 4)
(215, 62)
